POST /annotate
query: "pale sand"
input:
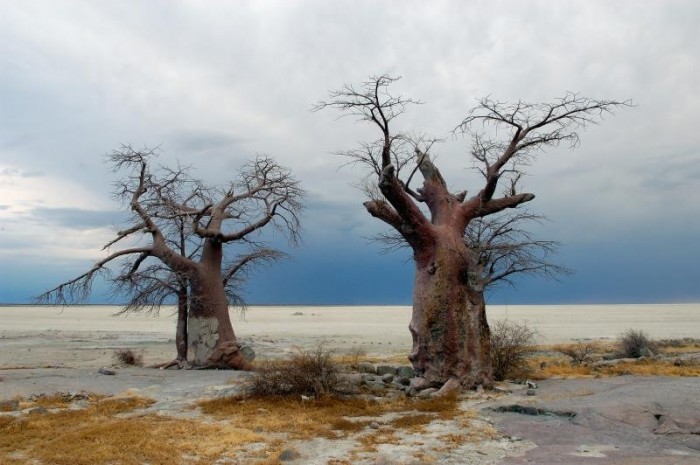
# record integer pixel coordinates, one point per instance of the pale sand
(87, 335)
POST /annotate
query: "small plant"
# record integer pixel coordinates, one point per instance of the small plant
(310, 373)
(511, 343)
(128, 357)
(579, 353)
(636, 343)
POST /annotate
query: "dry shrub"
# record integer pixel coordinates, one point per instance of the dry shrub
(310, 373)
(634, 343)
(128, 357)
(579, 353)
(511, 344)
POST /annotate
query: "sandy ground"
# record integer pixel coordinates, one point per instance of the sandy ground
(616, 421)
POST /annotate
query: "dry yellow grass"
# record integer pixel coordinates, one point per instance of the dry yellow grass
(326, 417)
(101, 434)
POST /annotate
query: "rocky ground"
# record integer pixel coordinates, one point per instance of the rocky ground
(621, 420)
(613, 421)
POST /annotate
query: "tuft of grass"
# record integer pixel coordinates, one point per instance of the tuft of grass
(511, 344)
(310, 373)
(635, 343)
(128, 357)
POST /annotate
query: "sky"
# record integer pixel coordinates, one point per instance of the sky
(215, 83)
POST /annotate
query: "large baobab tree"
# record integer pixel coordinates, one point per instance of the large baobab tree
(162, 201)
(448, 325)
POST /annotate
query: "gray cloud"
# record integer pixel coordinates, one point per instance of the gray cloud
(217, 83)
(77, 218)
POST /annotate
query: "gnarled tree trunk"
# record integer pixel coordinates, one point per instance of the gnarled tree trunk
(211, 337)
(449, 328)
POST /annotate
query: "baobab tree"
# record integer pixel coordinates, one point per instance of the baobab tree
(150, 287)
(449, 328)
(263, 195)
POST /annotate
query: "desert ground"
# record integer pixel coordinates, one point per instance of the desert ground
(609, 420)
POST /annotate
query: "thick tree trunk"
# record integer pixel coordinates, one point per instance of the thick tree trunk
(451, 338)
(211, 337)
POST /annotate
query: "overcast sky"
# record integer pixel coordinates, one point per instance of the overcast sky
(214, 83)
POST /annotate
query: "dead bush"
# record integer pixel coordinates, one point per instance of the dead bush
(511, 343)
(128, 357)
(636, 343)
(579, 353)
(309, 373)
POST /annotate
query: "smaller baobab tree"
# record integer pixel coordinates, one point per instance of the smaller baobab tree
(448, 325)
(184, 226)
(150, 287)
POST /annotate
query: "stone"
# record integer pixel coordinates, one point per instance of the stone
(427, 393)
(646, 352)
(403, 381)
(367, 378)
(289, 454)
(388, 378)
(366, 367)
(531, 392)
(405, 372)
(374, 425)
(419, 383)
(386, 369)
(105, 371)
(452, 385)
(38, 411)
(480, 389)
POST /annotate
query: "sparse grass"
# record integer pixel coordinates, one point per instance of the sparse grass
(101, 434)
(562, 368)
(511, 344)
(330, 417)
(310, 373)
(128, 357)
(636, 343)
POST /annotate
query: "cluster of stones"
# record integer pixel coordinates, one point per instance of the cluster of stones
(384, 381)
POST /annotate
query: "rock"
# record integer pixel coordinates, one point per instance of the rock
(419, 383)
(426, 393)
(403, 381)
(248, 353)
(480, 389)
(388, 378)
(297, 314)
(501, 389)
(376, 387)
(530, 384)
(386, 369)
(404, 372)
(38, 411)
(289, 454)
(452, 385)
(367, 378)
(366, 367)
(646, 352)
(374, 425)
(531, 392)
(105, 371)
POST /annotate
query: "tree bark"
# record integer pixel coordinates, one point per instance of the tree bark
(211, 337)
(451, 337)
(181, 329)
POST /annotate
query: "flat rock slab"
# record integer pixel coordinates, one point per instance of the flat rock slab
(622, 420)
